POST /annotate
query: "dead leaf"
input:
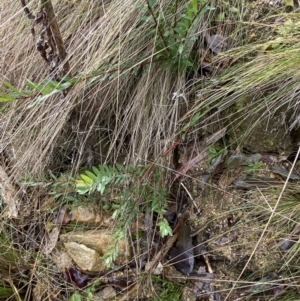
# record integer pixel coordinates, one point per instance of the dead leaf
(209, 141)
(187, 166)
(215, 137)
(51, 241)
(63, 216)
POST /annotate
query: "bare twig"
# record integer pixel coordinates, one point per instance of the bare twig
(163, 252)
(27, 11)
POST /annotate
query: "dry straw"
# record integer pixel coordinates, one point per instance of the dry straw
(129, 104)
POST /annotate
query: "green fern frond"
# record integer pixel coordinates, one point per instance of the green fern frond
(133, 198)
(99, 178)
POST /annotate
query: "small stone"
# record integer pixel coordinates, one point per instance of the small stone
(107, 293)
(286, 244)
(85, 258)
(188, 295)
(87, 214)
(100, 240)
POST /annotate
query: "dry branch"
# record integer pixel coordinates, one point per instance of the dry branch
(50, 43)
(62, 54)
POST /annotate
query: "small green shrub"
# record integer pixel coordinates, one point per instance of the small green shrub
(169, 290)
(139, 190)
(176, 36)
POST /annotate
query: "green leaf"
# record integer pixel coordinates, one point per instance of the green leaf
(195, 118)
(209, 8)
(220, 17)
(35, 86)
(180, 48)
(87, 179)
(91, 175)
(52, 84)
(82, 189)
(234, 9)
(75, 297)
(6, 97)
(108, 170)
(188, 18)
(118, 201)
(72, 80)
(212, 150)
(47, 92)
(115, 206)
(186, 63)
(101, 187)
(16, 94)
(195, 4)
(42, 98)
(10, 86)
(184, 24)
(164, 228)
(96, 171)
(106, 207)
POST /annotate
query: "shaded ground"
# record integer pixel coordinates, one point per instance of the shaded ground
(228, 226)
(219, 215)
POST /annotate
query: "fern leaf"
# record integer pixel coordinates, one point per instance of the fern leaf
(119, 167)
(82, 189)
(96, 171)
(101, 188)
(109, 171)
(102, 170)
(91, 175)
(87, 179)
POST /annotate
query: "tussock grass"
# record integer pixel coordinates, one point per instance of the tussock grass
(130, 100)
(108, 38)
(263, 82)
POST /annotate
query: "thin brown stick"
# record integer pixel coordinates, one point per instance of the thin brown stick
(62, 54)
(27, 11)
(163, 252)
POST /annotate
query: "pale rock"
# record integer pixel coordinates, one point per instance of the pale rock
(87, 214)
(107, 293)
(188, 295)
(100, 240)
(85, 258)
(158, 270)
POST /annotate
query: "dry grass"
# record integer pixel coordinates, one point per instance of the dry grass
(134, 110)
(129, 102)
(123, 105)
